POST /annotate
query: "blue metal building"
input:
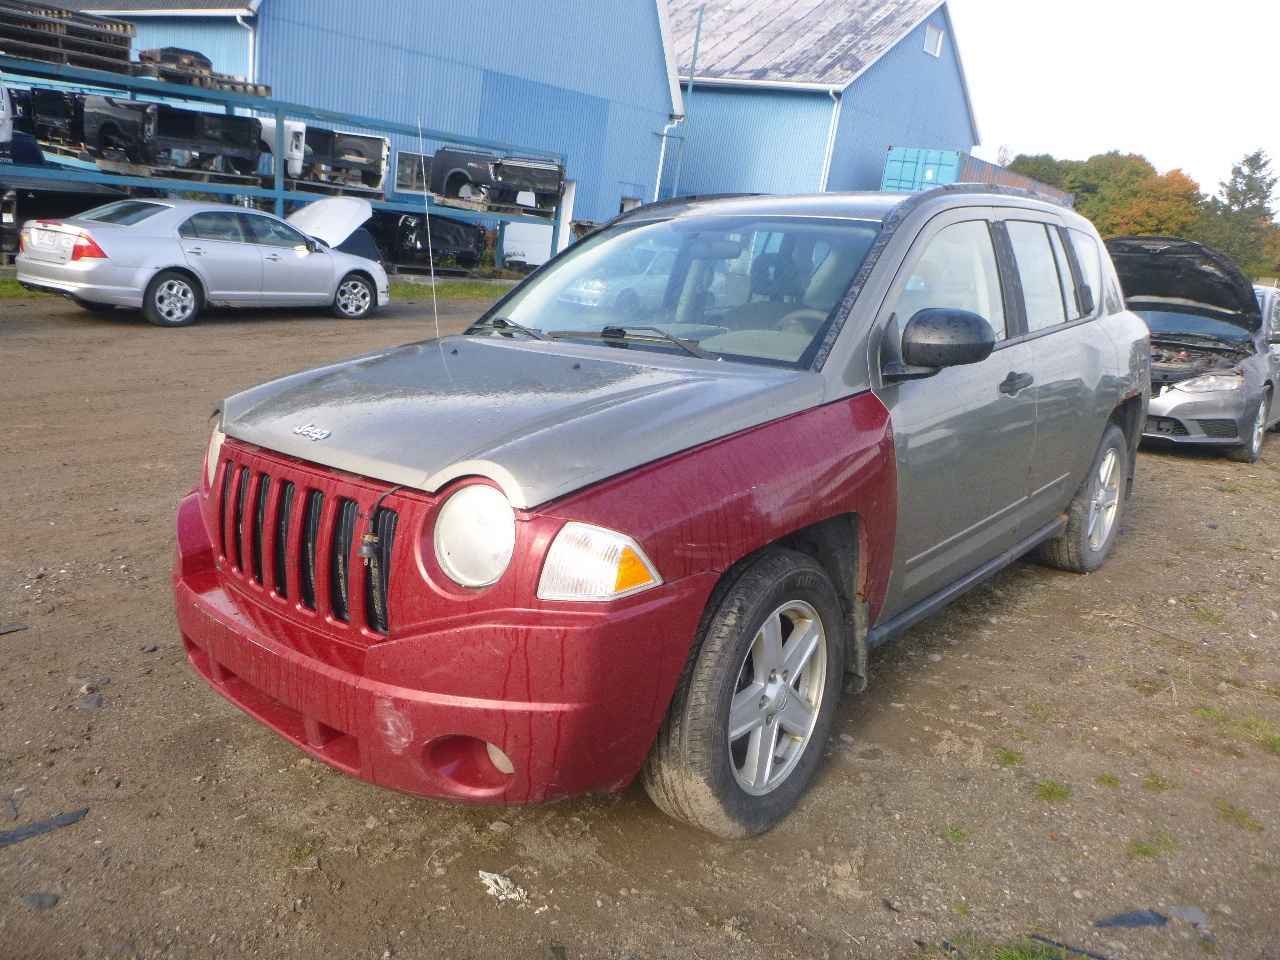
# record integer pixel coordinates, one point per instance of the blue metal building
(595, 83)
(809, 95)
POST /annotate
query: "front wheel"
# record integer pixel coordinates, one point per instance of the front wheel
(1093, 516)
(1251, 450)
(354, 299)
(746, 728)
(172, 300)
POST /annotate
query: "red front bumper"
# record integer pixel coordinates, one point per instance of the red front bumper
(587, 731)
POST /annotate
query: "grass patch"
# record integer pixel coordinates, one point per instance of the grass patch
(961, 909)
(1206, 615)
(1152, 848)
(1051, 791)
(1155, 783)
(954, 834)
(10, 289)
(1109, 780)
(1256, 730)
(474, 290)
(1009, 758)
(1236, 816)
(972, 948)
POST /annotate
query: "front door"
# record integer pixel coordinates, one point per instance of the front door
(292, 272)
(217, 249)
(964, 437)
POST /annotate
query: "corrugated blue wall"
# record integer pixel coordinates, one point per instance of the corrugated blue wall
(908, 98)
(220, 39)
(588, 81)
(765, 141)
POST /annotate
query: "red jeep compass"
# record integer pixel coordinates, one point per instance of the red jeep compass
(650, 509)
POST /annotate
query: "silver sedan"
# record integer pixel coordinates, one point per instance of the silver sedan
(172, 258)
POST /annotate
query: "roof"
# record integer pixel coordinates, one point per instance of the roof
(820, 43)
(164, 8)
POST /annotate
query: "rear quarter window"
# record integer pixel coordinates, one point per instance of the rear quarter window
(1089, 259)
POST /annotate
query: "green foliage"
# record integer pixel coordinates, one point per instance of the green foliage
(1237, 816)
(1109, 780)
(1152, 848)
(1051, 791)
(1007, 757)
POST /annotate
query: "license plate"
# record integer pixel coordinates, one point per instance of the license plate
(51, 245)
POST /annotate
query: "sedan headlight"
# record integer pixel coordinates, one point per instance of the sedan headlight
(1211, 383)
(213, 453)
(594, 564)
(475, 535)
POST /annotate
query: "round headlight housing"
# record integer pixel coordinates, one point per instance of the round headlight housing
(475, 535)
(212, 454)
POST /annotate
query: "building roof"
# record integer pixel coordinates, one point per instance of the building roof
(164, 8)
(817, 43)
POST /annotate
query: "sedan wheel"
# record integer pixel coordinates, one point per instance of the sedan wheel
(354, 299)
(172, 300)
(1250, 451)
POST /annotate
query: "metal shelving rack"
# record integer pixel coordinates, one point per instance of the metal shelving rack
(61, 76)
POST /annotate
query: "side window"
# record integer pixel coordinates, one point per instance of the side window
(1087, 257)
(1038, 268)
(958, 270)
(273, 233)
(214, 226)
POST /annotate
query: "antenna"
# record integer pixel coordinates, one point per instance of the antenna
(426, 216)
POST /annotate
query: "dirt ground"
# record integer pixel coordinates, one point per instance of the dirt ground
(1052, 750)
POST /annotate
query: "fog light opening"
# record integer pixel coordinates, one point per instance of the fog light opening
(499, 759)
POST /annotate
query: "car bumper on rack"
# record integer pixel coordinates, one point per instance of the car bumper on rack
(350, 712)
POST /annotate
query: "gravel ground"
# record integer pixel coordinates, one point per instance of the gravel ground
(1051, 750)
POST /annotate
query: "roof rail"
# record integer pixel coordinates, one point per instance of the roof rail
(678, 201)
(1000, 190)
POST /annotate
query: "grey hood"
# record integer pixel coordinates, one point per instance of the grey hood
(539, 419)
(1170, 271)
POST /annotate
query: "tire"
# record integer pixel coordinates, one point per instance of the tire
(173, 299)
(1250, 451)
(90, 307)
(355, 298)
(1082, 547)
(695, 771)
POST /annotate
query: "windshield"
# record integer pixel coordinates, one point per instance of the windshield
(1172, 323)
(123, 212)
(756, 289)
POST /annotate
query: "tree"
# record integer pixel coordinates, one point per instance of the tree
(1167, 204)
(1240, 221)
(1042, 167)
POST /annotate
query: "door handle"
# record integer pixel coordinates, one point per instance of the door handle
(196, 251)
(273, 257)
(1014, 382)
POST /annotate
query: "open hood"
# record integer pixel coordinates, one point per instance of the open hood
(1181, 274)
(332, 220)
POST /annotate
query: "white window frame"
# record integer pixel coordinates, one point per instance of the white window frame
(933, 37)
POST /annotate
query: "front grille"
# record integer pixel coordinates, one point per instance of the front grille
(1166, 426)
(326, 544)
(1218, 429)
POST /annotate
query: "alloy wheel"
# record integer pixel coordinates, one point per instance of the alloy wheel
(777, 697)
(354, 298)
(175, 301)
(1105, 502)
(1259, 428)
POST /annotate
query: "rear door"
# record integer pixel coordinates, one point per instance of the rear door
(1069, 354)
(292, 272)
(217, 249)
(964, 436)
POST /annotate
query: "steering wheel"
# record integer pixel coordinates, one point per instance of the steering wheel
(804, 320)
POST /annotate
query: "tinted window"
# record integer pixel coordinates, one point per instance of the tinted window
(214, 226)
(1090, 262)
(746, 288)
(957, 270)
(273, 233)
(1038, 268)
(125, 212)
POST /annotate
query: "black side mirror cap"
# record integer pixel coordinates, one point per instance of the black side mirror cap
(942, 337)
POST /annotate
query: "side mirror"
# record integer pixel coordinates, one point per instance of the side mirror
(942, 337)
(1087, 303)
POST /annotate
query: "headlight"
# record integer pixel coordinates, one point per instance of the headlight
(591, 563)
(475, 535)
(1211, 383)
(212, 455)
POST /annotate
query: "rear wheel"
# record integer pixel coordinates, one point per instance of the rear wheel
(354, 299)
(1093, 517)
(172, 300)
(1251, 449)
(745, 731)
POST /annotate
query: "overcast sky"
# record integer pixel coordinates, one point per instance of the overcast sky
(1193, 84)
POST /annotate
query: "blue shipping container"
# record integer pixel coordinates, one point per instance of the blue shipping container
(908, 169)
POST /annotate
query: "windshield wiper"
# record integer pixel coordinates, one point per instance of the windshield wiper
(650, 334)
(502, 323)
